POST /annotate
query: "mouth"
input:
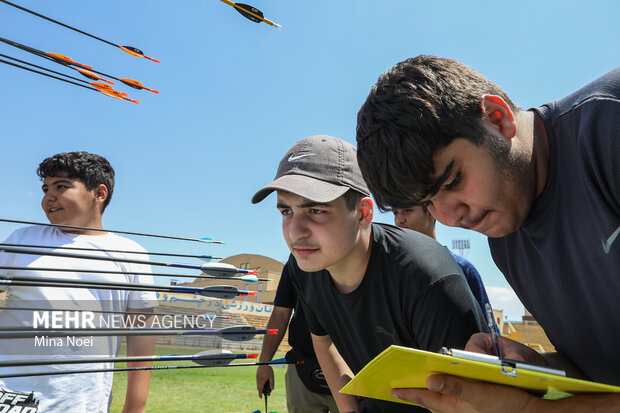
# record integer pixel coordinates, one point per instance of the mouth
(477, 224)
(304, 251)
(52, 210)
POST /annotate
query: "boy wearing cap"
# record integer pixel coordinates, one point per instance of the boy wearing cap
(363, 286)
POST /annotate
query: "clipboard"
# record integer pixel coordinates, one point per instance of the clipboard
(402, 367)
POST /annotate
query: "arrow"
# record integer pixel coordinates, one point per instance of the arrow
(205, 315)
(58, 73)
(164, 254)
(233, 333)
(127, 49)
(249, 12)
(219, 269)
(213, 291)
(204, 240)
(106, 91)
(247, 278)
(276, 362)
(70, 63)
(212, 358)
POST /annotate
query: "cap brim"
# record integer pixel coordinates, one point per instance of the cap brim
(303, 186)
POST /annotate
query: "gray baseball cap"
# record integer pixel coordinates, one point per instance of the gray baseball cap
(319, 168)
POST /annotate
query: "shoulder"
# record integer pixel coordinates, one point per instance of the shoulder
(463, 262)
(34, 234)
(596, 105)
(410, 252)
(114, 241)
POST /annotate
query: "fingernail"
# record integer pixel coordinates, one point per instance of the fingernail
(395, 393)
(435, 384)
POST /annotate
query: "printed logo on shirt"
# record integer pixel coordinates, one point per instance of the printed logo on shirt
(18, 402)
(607, 243)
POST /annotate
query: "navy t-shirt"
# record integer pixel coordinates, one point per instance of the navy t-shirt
(564, 261)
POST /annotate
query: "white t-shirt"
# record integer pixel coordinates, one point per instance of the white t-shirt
(78, 392)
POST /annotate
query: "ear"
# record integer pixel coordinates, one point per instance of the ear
(366, 210)
(497, 114)
(101, 194)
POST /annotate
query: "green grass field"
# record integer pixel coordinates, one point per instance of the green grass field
(210, 390)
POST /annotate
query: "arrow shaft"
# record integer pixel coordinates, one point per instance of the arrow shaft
(89, 360)
(248, 334)
(210, 291)
(103, 312)
(44, 68)
(96, 257)
(76, 270)
(14, 221)
(45, 74)
(52, 373)
(57, 22)
(164, 254)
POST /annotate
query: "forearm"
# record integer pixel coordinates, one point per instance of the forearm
(591, 403)
(559, 361)
(336, 371)
(138, 381)
(279, 320)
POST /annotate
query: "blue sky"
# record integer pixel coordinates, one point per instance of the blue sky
(235, 95)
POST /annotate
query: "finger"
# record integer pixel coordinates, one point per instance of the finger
(472, 392)
(480, 343)
(423, 397)
(260, 384)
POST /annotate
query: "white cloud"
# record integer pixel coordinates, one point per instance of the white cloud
(503, 298)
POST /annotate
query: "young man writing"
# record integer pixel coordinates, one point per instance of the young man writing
(363, 286)
(543, 184)
(77, 187)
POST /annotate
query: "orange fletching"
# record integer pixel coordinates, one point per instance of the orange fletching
(67, 59)
(137, 53)
(93, 76)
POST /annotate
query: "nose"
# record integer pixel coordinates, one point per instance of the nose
(399, 218)
(447, 209)
(49, 196)
(298, 228)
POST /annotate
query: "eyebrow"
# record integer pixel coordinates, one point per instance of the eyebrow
(441, 179)
(59, 181)
(310, 204)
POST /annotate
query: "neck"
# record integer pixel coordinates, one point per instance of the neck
(540, 153)
(348, 273)
(533, 141)
(93, 223)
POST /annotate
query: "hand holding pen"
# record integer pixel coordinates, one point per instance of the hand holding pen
(493, 327)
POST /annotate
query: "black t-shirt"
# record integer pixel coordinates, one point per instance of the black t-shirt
(298, 331)
(564, 261)
(413, 294)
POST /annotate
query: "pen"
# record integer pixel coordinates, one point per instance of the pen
(493, 328)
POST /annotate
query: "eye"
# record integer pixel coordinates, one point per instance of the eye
(286, 212)
(454, 182)
(425, 205)
(316, 211)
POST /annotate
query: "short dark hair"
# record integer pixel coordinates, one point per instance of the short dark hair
(417, 107)
(352, 198)
(93, 170)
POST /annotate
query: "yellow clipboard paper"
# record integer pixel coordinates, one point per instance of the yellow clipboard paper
(402, 367)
